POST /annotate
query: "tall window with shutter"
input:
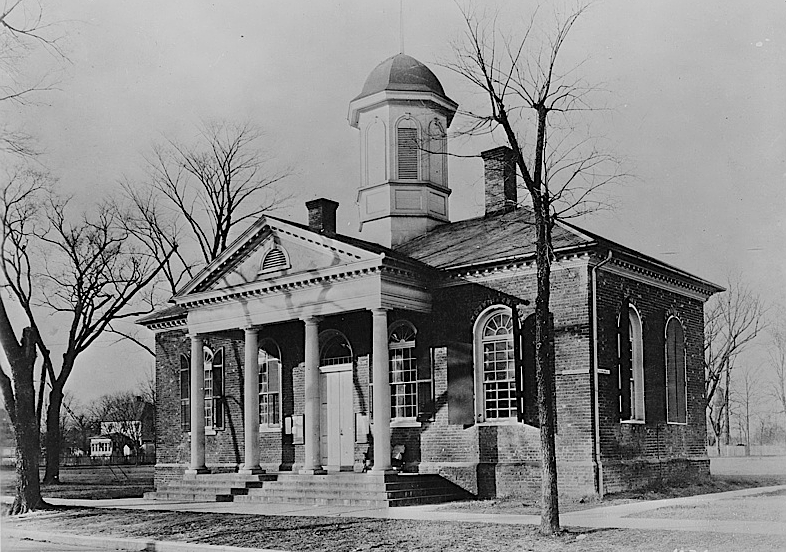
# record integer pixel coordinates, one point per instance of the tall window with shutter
(411, 389)
(630, 352)
(214, 388)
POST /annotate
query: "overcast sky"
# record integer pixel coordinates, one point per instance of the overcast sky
(698, 90)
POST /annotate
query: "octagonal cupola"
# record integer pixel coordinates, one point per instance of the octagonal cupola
(403, 115)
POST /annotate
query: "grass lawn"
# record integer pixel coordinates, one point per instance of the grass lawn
(769, 506)
(92, 483)
(717, 484)
(358, 534)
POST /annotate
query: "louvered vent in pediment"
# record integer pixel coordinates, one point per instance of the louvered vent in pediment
(275, 259)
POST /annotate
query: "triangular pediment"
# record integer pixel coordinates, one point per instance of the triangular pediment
(274, 249)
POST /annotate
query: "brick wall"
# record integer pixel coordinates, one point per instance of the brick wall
(487, 459)
(633, 454)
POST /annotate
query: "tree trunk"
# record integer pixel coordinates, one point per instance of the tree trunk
(19, 400)
(727, 424)
(53, 434)
(28, 447)
(549, 520)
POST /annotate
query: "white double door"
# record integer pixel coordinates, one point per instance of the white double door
(336, 421)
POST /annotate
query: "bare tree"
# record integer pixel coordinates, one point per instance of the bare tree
(746, 395)
(23, 30)
(20, 212)
(777, 354)
(732, 320)
(201, 195)
(532, 101)
(86, 270)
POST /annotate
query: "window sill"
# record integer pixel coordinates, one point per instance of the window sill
(500, 422)
(634, 422)
(269, 429)
(208, 431)
(405, 422)
(677, 423)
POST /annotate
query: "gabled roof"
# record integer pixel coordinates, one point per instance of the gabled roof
(344, 248)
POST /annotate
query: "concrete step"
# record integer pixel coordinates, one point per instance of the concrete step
(174, 496)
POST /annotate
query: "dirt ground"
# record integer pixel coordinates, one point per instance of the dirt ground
(358, 534)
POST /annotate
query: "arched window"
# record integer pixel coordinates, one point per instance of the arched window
(408, 153)
(495, 366)
(214, 388)
(676, 388)
(269, 384)
(275, 259)
(334, 349)
(185, 393)
(630, 352)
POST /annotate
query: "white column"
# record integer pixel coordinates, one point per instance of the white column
(379, 353)
(251, 404)
(197, 464)
(313, 461)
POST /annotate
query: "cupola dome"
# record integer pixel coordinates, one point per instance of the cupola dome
(402, 73)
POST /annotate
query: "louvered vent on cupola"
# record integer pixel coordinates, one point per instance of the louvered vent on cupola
(407, 153)
(275, 259)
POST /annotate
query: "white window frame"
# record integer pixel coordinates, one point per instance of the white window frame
(480, 384)
(394, 350)
(210, 407)
(635, 331)
(264, 360)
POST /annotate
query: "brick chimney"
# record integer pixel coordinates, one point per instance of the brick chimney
(500, 171)
(322, 216)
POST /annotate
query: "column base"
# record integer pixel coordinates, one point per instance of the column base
(383, 471)
(255, 470)
(312, 471)
(197, 471)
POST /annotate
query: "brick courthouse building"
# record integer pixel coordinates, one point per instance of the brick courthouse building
(301, 351)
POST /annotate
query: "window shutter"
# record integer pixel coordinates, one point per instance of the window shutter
(518, 358)
(675, 372)
(407, 153)
(425, 389)
(185, 393)
(553, 370)
(680, 379)
(531, 416)
(655, 367)
(461, 384)
(218, 389)
(623, 337)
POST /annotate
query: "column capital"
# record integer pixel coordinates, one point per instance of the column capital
(251, 329)
(312, 320)
(195, 336)
(379, 311)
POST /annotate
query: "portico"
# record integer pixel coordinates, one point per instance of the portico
(353, 282)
